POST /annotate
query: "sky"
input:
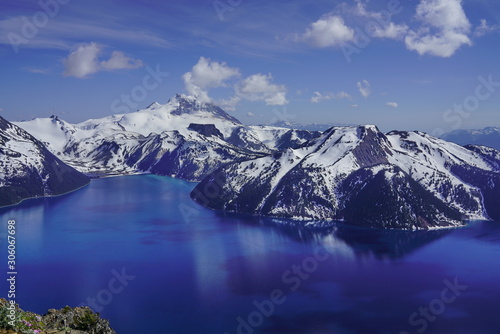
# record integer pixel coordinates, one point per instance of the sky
(429, 65)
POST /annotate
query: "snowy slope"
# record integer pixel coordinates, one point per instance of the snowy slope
(28, 169)
(358, 174)
(183, 138)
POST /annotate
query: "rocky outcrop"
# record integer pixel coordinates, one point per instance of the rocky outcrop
(68, 320)
(207, 130)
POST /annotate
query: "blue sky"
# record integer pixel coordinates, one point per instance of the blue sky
(430, 65)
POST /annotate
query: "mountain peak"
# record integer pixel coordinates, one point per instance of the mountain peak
(189, 104)
(186, 103)
(154, 105)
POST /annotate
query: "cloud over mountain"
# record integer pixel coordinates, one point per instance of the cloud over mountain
(85, 61)
(207, 74)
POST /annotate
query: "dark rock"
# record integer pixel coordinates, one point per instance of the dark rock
(207, 130)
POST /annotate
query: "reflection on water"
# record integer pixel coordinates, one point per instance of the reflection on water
(202, 275)
(382, 244)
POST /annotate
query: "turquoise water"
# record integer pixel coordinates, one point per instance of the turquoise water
(140, 252)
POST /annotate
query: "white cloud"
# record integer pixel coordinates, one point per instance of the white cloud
(392, 104)
(381, 28)
(194, 90)
(364, 88)
(352, 27)
(355, 106)
(360, 10)
(60, 34)
(317, 96)
(37, 70)
(484, 28)
(392, 31)
(343, 95)
(250, 114)
(445, 28)
(229, 104)
(328, 31)
(208, 74)
(119, 61)
(84, 61)
(259, 87)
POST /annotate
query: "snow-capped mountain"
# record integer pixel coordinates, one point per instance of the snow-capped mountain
(184, 138)
(406, 180)
(28, 169)
(489, 136)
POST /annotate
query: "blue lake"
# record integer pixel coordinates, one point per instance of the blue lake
(151, 261)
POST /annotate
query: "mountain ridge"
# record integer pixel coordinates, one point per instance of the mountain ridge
(339, 176)
(356, 174)
(488, 136)
(164, 139)
(29, 170)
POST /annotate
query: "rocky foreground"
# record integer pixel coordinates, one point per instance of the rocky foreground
(68, 320)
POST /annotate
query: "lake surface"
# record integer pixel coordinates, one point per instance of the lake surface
(155, 262)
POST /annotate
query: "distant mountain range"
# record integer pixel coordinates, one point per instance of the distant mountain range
(489, 136)
(359, 175)
(28, 169)
(406, 180)
(311, 126)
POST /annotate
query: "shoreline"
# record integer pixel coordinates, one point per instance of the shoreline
(304, 222)
(45, 196)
